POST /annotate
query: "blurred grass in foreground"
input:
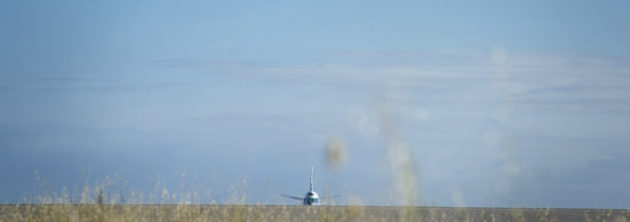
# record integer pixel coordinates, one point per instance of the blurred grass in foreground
(105, 201)
(102, 203)
(197, 212)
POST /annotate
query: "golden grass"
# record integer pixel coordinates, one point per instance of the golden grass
(197, 212)
(101, 203)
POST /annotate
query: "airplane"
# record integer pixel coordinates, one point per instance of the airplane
(311, 198)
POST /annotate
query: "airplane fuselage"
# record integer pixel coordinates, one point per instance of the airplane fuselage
(311, 198)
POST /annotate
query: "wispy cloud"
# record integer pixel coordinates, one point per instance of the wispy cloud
(105, 88)
(529, 72)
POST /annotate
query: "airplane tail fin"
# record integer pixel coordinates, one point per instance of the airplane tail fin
(311, 178)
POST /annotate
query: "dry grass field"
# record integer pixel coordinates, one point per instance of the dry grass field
(100, 203)
(196, 212)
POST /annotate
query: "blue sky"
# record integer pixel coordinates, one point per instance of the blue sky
(488, 103)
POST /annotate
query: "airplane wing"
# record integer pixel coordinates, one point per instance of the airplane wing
(329, 197)
(293, 197)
